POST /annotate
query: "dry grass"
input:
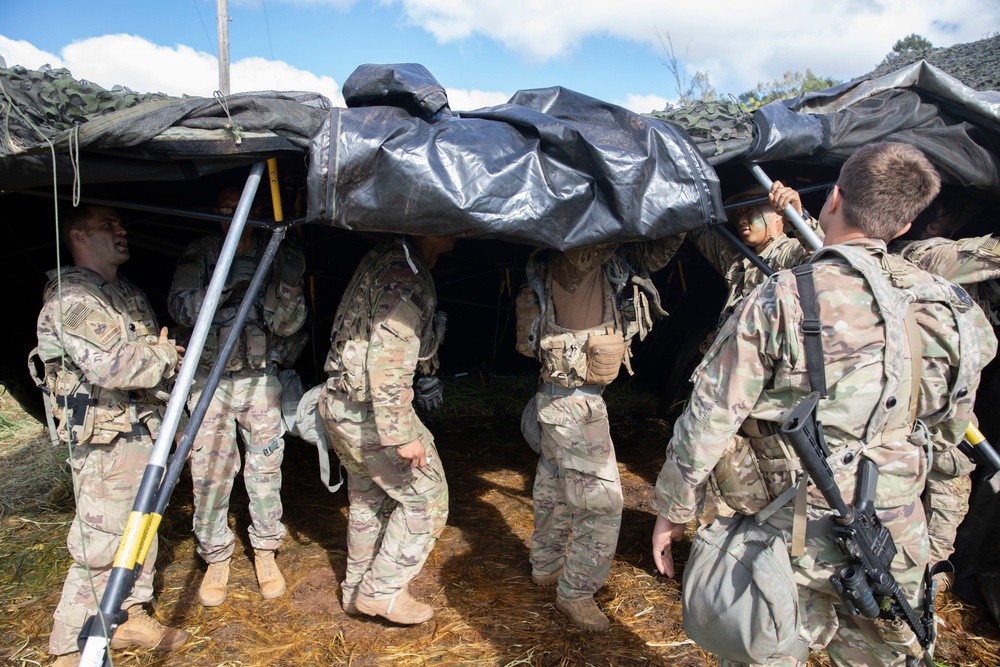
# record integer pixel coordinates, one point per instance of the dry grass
(487, 611)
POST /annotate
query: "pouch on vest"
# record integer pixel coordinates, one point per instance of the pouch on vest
(605, 353)
(527, 311)
(740, 481)
(740, 597)
(564, 359)
(354, 359)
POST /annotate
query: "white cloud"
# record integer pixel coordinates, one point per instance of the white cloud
(144, 67)
(737, 42)
(468, 100)
(20, 52)
(643, 103)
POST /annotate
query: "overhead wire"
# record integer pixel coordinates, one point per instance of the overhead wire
(211, 45)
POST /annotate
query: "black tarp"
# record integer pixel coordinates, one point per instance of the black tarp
(552, 167)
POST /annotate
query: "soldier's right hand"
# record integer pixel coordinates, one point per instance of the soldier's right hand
(781, 196)
(415, 453)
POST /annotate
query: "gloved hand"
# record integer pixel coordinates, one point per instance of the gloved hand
(428, 393)
(293, 265)
(240, 274)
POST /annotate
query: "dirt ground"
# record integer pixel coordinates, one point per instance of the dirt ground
(487, 610)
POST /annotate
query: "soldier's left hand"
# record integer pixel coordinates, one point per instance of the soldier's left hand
(665, 533)
(781, 196)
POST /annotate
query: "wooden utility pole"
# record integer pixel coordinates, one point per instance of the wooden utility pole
(222, 9)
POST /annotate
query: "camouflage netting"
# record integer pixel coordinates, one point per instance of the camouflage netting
(976, 64)
(720, 130)
(37, 105)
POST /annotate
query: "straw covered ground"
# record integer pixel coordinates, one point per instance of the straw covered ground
(487, 610)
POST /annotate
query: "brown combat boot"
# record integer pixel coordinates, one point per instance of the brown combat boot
(349, 599)
(584, 613)
(212, 592)
(142, 630)
(67, 660)
(550, 579)
(269, 577)
(400, 608)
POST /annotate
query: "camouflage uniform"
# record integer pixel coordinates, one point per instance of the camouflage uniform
(577, 492)
(383, 331)
(99, 343)
(247, 399)
(756, 371)
(975, 264)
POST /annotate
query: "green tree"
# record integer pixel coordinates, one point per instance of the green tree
(790, 85)
(911, 44)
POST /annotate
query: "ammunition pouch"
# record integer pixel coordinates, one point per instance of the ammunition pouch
(740, 481)
(605, 354)
(564, 358)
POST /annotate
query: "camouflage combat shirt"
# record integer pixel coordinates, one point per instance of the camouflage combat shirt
(382, 332)
(104, 335)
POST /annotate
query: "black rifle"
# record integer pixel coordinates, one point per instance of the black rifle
(865, 583)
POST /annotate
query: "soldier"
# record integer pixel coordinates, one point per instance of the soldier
(385, 330)
(973, 263)
(589, 310)
(247, 400)
(761, 227)
(103, 354)
(756, 372)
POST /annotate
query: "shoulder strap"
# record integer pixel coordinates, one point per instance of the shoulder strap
(811, 328)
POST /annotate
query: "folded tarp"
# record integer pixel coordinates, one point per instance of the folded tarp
(551, 167)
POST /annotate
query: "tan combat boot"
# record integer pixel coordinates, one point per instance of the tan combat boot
(269, 578)
(349, 599)
(550, 579)
(67, 660)
(400, 608)
(212, 592)
(142, 630)
(584, 613)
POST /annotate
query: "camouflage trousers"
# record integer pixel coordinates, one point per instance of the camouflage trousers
(946, 500)
(105, 480)
(851, 640)
(396, 511)
(250, 404)
(577, 511)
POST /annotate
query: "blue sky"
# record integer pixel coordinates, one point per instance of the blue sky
(482, 51)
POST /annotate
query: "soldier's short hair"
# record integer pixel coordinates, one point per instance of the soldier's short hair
(885, 186)
(73, 218)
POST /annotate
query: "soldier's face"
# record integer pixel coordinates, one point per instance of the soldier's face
(105, 236)
(754, 223)
(228, 200)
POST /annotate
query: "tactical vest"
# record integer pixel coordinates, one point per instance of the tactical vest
(757, 475)
(252, 349)
(347, 361)
(86, 413)
(572, 358)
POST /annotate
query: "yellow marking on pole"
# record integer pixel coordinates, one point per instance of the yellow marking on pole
(680, 272)
(147, 542)
(272, 171)
(974, 435)
(128, 549)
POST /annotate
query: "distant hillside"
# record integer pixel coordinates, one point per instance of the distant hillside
(976, 64)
